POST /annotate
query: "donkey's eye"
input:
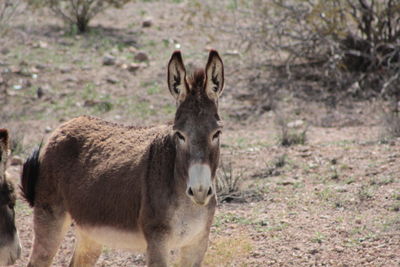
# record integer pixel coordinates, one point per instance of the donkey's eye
(216, 135)
(180, 136)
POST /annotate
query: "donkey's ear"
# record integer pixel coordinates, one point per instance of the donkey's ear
(177, 77)
(4, 136)
(214, 75)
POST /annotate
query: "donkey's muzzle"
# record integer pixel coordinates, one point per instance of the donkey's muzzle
(200, 196)
(199, 187)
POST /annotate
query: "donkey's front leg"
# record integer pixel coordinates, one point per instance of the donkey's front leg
(157, 249)
(157, 253)
(192, 255)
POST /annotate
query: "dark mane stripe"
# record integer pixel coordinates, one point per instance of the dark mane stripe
(197, 78)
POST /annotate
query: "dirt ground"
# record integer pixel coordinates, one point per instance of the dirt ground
(333, 201)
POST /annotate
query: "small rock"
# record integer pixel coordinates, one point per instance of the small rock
(41, 66)
(86, 68)
(287, 182)
(89, 103)
(65, 69)
(109, 60)
(39, 92)
(16, 160)
(132, 50)
(15, 69)
(71, 79)
(141, 56)
(295, 124)
(313, 251)
(339, 249)
(47, 129)
(23, 63)
(112, 80)
(133, 67)
(232, 53)
(40, 44)
(5, 51)
(129, 40)
(341, 189)
(27, 84)
(148, 22)
(66, 42)
(17, 87)
(34, 70)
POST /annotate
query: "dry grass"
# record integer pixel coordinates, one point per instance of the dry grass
(228, 251)
(288, 136)
(391, 124)
(228, 184)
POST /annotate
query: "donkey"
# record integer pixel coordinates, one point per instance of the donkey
(10, 248)
(145, 189)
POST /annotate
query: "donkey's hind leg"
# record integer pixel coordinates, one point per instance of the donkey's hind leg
(86, 251)
(50, 225)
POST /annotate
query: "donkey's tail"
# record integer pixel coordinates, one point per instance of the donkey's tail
(30, 174)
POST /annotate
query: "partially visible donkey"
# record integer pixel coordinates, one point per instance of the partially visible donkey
(146, 189)
(10, 248)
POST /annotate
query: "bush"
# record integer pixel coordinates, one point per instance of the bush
(391, 122)
(289, 133)
(78, 12)
(340, 47)
(8, 8)
(228, 184)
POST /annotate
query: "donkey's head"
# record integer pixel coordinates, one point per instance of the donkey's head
(197, 126)
(10, 248)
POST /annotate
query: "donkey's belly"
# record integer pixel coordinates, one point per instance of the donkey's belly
(116, 238)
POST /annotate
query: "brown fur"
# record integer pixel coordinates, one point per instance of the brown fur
(9, 242)
(131, 180)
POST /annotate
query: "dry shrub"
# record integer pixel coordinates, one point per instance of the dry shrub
(78, 13)
(391, 121)
(338, 47)
(290, 135)
(8, 9)
(228, 184)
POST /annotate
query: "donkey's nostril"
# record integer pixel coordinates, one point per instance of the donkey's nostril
(210, 191)
(190, 192)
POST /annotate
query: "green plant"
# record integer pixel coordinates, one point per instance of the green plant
(318, 238)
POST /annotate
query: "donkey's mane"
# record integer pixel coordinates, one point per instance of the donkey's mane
(114, 124)
(196, 79)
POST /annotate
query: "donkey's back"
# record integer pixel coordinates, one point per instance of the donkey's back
(87, 158)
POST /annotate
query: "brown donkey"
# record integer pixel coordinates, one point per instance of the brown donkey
(10, 248)
(145, 189)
